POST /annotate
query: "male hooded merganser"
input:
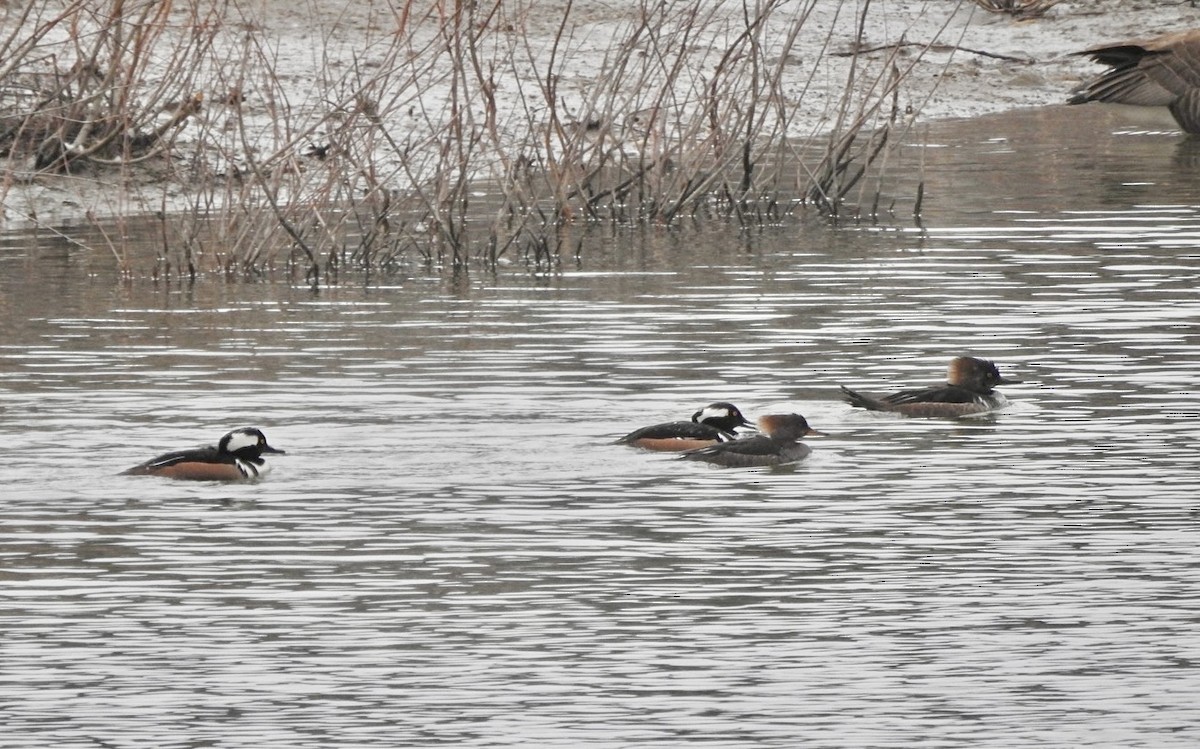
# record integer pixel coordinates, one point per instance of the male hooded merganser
(714, 423)
(237, 456)
(776, 445)
(968, 390)
(1158, 72)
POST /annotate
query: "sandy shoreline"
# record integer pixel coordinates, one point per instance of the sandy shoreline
(978, 63)
(982, 62)
(976, 84)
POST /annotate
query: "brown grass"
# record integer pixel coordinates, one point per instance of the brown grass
(420, 146)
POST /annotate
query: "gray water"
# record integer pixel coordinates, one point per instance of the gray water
(453, 553)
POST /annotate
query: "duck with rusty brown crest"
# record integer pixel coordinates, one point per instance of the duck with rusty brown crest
(777, 444)
(969, 390)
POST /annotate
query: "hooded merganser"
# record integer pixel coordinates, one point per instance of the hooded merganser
(968, 390)
(1158, 72)
(776, 445)
(237, 456)
(714, 423)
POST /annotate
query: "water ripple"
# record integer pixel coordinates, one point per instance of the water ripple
(453, 552)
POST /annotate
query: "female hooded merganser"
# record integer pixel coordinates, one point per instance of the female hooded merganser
(778, 444)
(968, 390)
(1158, 72)
(714, 423)
(237, 456)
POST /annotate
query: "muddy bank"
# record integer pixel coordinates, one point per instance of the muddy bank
(956, 59)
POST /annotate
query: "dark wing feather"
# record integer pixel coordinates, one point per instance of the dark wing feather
(745, 446)
(749, 452)
(673, 430)
(199, 455)
(939, 394)
(1130, 81)
(1162, 72)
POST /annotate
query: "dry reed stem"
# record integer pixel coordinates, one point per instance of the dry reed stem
(423, 146)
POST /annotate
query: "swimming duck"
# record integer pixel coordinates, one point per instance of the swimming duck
(778, 444)
(237, 456)
(968, 390)
(714, 423)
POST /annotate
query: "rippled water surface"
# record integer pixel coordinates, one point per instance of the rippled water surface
(453, 553)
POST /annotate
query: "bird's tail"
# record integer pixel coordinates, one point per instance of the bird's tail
(859, 400)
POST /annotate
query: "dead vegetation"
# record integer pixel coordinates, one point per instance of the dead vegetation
(450, 136)
(80, 85)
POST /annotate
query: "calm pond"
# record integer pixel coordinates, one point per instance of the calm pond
(453, 553)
